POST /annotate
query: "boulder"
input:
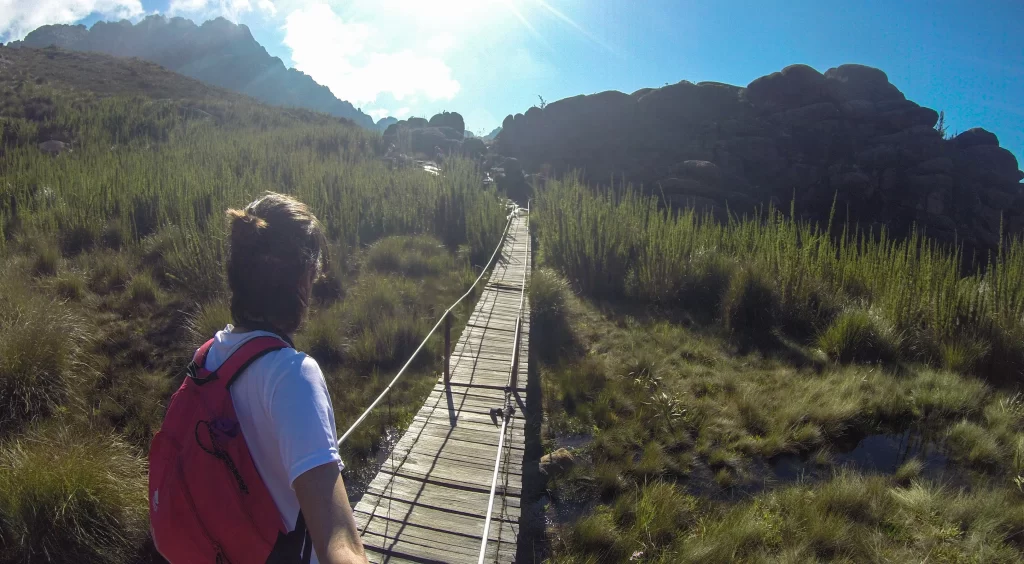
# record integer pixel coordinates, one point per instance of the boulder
(857, 184)
(860, 82)
(942, 165)
(859, 109)
(792, 87)
(996, 162)
(808, 115)
(975, 137)
(704, 171)
(449, 119)
(474, 147)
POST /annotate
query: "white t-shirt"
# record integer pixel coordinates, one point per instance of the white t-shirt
(285, 413)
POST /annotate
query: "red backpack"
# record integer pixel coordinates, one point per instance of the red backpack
(207, 502)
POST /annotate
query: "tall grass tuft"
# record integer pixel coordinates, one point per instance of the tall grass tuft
(40, 356)
(750, 306)
(859, 336)
(550, 333)
(71, 496)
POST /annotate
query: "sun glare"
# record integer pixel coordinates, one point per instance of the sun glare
(458, 11)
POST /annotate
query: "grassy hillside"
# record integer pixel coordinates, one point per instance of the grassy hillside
(764, 391)
(112, 260)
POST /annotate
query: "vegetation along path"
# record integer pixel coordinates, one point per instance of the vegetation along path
(430, 499)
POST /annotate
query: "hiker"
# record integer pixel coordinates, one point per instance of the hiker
(246, 467)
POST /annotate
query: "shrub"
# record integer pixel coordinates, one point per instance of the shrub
(40, 357)
(108, 272)
(206, 321)
(973, 444)
(113, 236)
(323, 337)
(70, 286)
(134, 402)
(596, 536)
(76, 239)
(71, 497)
(662, 512)
(142, 289)
(750, 305)
(411, 256)
(46, 261)
(860, 336)
(550, 332)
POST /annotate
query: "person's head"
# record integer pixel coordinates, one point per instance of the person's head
(276, 250)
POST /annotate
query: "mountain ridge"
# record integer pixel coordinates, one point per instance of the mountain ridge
(217, 52)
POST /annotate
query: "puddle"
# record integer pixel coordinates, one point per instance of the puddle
(881, 453)
(885, 453)
(566, 510)
(357, 479)
(573, 441)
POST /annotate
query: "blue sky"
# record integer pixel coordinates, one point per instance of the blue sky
(489, 58)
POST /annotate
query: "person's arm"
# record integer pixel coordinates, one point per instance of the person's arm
(324, 503)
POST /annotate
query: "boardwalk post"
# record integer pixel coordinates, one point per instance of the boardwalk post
(447, 347)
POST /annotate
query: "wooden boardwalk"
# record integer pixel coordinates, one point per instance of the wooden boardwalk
(429, 501)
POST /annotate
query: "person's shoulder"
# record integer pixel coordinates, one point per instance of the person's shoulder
(291, 363)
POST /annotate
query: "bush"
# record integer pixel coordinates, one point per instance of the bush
(76, 239)
(750, 305)
(859, 336)
(973, 444)
(46, 261)
(323, 336)
(108, 272)
(596, 536)
(964, 356)
(70, 286)
(142, 289)
(414, 257)
(74, 497)
(40, 357)
(550, 332)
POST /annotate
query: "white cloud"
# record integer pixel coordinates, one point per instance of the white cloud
(18, 17)
(344, 56)
(378, 113)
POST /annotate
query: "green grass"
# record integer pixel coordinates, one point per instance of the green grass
(41, 347)
(680, 407)
(71, 495)
(858, 336)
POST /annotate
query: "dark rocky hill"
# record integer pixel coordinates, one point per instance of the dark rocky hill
(798, 136)
(218, 52)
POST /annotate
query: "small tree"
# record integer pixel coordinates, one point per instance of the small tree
(940, 125)
(543, 102)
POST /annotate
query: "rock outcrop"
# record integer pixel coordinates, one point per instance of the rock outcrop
(217, 52)
(798, 135)
(444, 133)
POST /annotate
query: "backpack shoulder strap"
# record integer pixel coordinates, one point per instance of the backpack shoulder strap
(239, 360)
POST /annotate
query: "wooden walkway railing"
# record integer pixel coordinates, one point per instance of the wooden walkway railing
(429, 501)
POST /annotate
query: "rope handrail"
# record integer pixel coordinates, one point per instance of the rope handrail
(444, 316)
